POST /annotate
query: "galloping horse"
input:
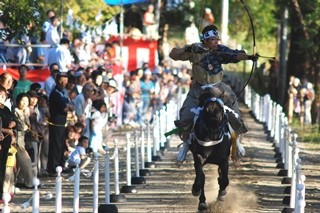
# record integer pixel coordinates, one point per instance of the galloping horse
(211, 143)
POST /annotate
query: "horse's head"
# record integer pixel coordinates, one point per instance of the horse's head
(212, 118)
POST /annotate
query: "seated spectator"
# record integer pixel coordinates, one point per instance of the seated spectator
(80, 154)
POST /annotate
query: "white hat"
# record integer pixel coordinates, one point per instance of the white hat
(113, 83)
(207, 10)
(147, 72)
(105, 79)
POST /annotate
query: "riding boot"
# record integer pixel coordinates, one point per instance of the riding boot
(183, 150)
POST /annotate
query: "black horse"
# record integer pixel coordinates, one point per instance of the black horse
(211, 144)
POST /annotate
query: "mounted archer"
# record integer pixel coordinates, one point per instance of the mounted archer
(207, 58)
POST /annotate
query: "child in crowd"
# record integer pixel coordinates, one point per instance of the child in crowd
(99, 120)
(80, 153)
(71, 141)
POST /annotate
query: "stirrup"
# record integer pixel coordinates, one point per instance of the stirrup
(183, 150)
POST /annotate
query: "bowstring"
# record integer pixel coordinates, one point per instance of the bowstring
(201, 15)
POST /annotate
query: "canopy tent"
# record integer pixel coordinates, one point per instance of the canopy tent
(121, 3)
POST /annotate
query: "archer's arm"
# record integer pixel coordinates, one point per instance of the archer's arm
(176, 53)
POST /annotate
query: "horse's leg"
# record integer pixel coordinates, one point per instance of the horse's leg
(202, 199)
(223, 179)
(197, 185)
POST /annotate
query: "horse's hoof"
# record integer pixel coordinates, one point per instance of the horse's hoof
(195, 192)
(202, 207)
(222, 194)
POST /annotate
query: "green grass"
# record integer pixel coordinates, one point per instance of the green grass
(309, 134)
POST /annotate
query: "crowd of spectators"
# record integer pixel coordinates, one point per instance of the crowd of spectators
(44, 123)
(301, 96)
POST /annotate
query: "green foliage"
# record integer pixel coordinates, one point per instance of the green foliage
(83, 10)
(20, 17)
(264, 22)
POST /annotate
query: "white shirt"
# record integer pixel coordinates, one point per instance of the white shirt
(192, 35)
(52, 36)
(49, 84)
(60, 55)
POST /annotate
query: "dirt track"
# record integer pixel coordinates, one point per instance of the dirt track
(254, 185)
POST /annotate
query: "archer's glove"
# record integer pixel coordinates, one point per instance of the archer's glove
(253, 57)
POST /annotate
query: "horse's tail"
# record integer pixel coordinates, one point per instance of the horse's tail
(237, 150)
(234, 145)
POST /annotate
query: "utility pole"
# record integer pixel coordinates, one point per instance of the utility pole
(61, 17)
(282, 87)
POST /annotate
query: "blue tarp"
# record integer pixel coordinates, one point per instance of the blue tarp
(122, 2)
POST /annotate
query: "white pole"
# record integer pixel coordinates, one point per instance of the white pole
(294, 176)
(149, 151)
(136, 142)
(6, 198)
(76, 187)
(116, 168)
(128, 160)
(58, 201)
(155, 134)
(36, 196)
(96, 183)
(107, 179)
(142, 148)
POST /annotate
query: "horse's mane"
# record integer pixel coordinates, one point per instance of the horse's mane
(211, 121)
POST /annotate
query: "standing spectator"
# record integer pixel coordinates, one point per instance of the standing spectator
(52, 35)
(147, 90)
(59, 106)
(99, 121)
(307, 96)
(24, 162)
(8, 83)
(32, 136)
(80, 80)
(20, 55)
(60, 55)
(23, 84)
(208, 17)
(44, 133)
(50, 82)
(3, 40)
(46, 24)
(83, 105)
(192, 34)
(7, 137)
(130, 101)
(294, 102)
(38, 53)
(149, 23)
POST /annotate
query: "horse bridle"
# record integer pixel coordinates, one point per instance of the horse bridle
(222, 127)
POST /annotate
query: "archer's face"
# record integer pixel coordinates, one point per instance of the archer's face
(212, 43)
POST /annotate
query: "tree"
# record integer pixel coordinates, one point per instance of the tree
(18, 15)
(304, 49)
